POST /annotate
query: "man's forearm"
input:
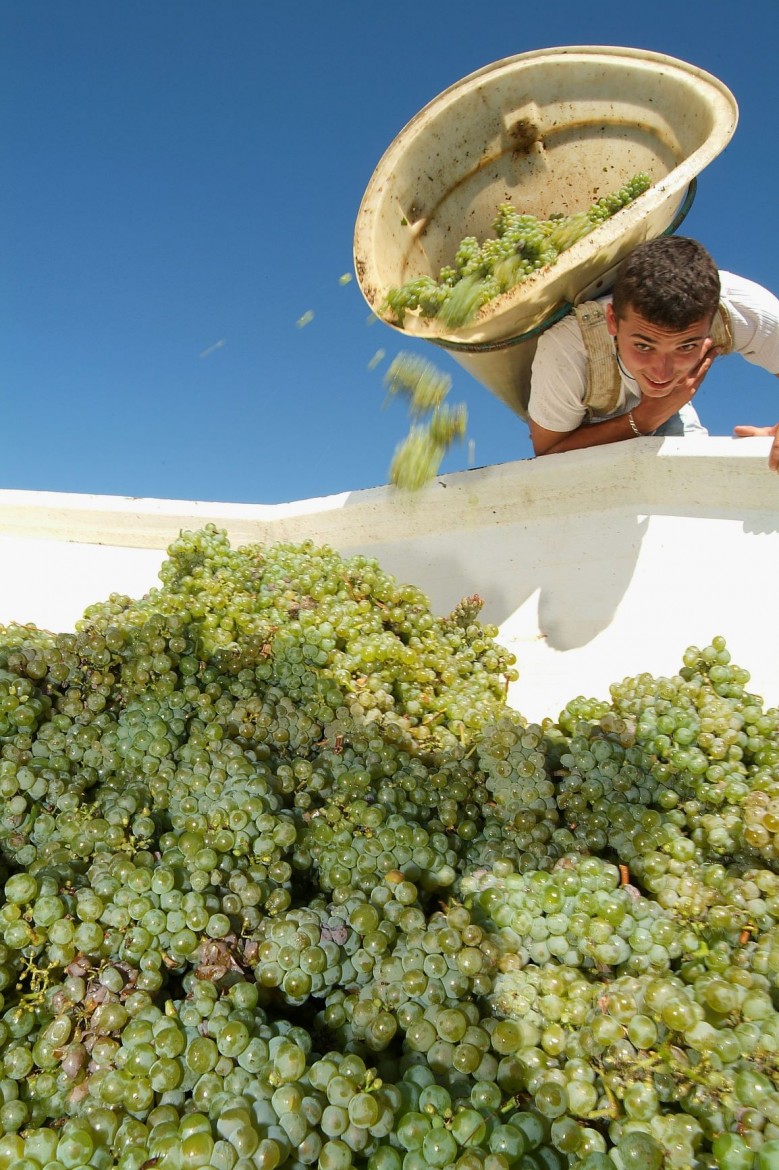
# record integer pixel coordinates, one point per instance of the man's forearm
(611, 430)
(642, 420)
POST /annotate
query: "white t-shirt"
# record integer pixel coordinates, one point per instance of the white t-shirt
(559, 377)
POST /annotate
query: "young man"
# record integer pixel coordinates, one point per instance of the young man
(630, 364)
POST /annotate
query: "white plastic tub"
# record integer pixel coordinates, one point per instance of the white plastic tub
(594, 564)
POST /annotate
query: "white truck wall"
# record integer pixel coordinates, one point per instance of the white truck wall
(595, 564)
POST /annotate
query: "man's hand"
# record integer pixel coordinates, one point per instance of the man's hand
(759, 432)
(709, 351)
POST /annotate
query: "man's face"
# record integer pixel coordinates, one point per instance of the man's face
(659, 359)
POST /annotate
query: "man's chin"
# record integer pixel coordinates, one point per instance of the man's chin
(651, 391)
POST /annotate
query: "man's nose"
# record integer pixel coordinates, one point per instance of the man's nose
(662, 367)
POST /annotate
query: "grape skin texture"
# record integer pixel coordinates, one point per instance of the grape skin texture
(285, 883)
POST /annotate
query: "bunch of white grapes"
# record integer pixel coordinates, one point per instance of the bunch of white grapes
(418, 457)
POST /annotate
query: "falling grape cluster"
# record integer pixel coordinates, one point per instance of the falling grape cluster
(286, 883)
(522, 245)
(418, 457)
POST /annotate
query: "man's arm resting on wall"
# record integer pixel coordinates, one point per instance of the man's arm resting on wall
(612, 430)
(650, 414)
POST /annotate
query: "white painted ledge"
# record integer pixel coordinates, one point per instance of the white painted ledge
(596, 564)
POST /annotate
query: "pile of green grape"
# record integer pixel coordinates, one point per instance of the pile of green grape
(523, 244)
(286, 883)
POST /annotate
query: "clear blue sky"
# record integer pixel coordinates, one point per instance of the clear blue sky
(180, 184)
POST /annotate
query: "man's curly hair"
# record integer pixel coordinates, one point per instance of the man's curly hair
(671, 282)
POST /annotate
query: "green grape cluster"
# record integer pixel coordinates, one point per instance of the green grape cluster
(424, 385)
(713, 747)
(523, 244)
(285, 883)
(310, 953)
(416, 461)
(361, 849)
(422, 988)
(419, 455)
(580, 914)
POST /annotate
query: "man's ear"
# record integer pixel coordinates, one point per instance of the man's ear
(611, 320)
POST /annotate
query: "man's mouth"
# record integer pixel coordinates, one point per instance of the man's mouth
(666, 385)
